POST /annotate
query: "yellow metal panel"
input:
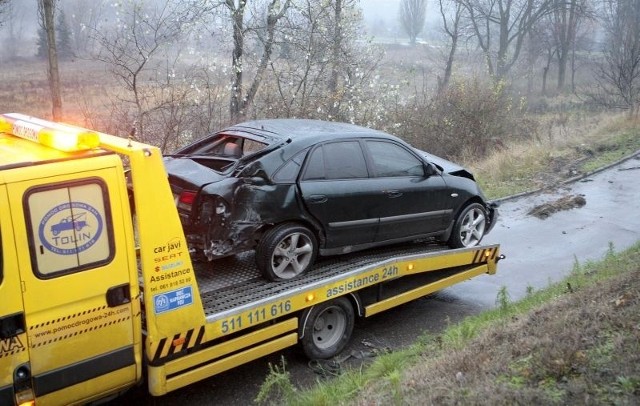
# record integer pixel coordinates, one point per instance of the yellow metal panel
(423, 290)
(225, 364)
(231, 346)
(171, 294)
(89, 391)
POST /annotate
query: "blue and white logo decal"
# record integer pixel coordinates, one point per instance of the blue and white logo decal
(70, 228)
(173, 300)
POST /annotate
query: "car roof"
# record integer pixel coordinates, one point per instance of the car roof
(294, 128)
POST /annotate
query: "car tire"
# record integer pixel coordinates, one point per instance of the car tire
(286, 251)
(327, 328)
(469, 227)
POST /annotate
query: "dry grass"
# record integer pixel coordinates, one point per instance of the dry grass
(571, 145)
(581, 348)
(24, 88)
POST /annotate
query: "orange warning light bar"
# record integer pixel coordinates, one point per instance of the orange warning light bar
(49, 133)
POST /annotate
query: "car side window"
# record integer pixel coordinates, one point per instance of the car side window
(390, 159)
(289, 171)
(315, 165)
(337, 160)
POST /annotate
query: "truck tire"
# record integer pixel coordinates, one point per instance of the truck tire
(469, 227)
(286, 251)
(327, 328)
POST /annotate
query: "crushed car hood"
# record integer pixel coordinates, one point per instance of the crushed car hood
(187, 171)
(446, 166)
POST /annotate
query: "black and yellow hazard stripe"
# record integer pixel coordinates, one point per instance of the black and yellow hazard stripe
(485, 255)
(182, 341)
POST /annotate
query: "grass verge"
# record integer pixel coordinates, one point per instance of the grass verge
(577, 341)
(581, 145)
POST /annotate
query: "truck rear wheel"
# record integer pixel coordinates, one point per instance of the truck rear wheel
(327, 328)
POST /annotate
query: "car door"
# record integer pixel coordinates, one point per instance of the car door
(14, 352)
(410, 201)
(336, 190)
(75, 269)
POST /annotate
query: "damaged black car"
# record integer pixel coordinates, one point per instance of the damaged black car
(292, 189)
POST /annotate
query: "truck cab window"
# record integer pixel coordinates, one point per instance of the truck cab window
(69, 227)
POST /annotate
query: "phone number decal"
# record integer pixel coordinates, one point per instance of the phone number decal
(254, 317)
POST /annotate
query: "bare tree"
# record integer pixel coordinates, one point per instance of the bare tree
(240, 101)
(508, 20)
(565, 21)
(618, 75)
(412, 17)
(336, 48)
(46, 11)
(452, 25)
(84, 20)
(4, 10)
(140, 52)
(15, 29)
(324, 71)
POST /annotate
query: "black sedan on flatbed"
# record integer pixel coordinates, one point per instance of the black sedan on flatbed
(292, 189)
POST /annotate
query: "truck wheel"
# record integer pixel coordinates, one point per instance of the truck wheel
(469, 227)
(327, 328)
(286, 251)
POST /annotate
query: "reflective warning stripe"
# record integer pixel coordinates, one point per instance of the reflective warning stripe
(484, 255)
(177, 343)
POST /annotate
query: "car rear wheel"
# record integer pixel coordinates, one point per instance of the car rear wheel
(327, 328)
(469, 227)
(286, 251)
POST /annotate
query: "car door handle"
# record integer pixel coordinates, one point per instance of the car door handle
(392, 194)
(118, 295)
(11, 325)
(318, 199)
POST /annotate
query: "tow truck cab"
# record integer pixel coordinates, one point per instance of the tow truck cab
(70, 323)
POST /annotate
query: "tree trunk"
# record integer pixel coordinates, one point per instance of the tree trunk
(273, 16)
(54, 76)
(237, 19)
(332, 86)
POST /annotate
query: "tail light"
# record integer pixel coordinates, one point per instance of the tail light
(186, 199)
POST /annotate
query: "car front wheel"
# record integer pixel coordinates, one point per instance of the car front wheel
(286, 251)
(469, 227)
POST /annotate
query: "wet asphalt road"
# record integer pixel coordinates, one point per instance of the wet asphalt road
(538, 252)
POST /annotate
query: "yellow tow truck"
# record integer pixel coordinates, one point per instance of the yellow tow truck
(94, 300)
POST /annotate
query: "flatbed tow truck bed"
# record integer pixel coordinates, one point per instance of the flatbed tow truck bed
(233, 285)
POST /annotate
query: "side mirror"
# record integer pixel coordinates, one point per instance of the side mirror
(429, 170)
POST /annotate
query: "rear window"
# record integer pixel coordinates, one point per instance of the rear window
(224, 146)
(69, 226)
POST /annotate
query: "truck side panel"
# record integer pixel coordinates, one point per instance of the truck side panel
(79, 294)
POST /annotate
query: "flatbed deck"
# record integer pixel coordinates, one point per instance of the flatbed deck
(233, 285)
